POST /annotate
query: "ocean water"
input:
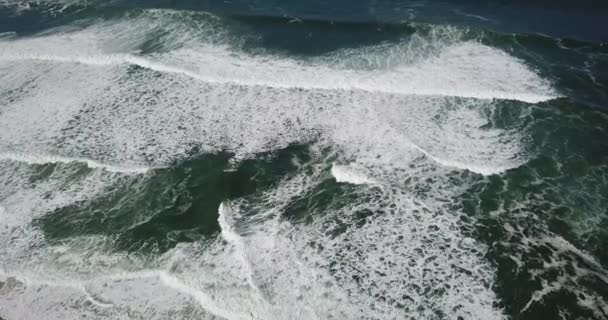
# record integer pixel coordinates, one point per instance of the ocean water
(333, 159)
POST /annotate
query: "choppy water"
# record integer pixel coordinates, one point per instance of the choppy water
(303, 160)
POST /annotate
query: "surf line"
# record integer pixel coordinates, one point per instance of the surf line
(330, 84)
(93, 164)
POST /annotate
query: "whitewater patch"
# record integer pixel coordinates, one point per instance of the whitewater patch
(142, 122)
(30, 192)
(128, 107)
(391, 264)
(375, 253)
(199, 46)
(48, 159)
(154, 294)
(349, 175)
(119, 114)
(449, 74)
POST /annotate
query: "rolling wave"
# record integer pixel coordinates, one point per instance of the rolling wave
(224, 77)
(466, 70)
(408, 117)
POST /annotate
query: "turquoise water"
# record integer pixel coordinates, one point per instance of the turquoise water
(303, 160)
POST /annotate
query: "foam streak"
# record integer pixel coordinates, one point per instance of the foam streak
(248, 71)
(93, 164)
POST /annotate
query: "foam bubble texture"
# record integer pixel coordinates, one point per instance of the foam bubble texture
(400, 259)
(85, 96)
(116, 113)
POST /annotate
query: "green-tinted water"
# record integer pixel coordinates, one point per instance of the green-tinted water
(288, 161)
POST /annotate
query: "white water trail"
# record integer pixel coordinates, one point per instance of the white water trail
(76, 94)
(93, 164)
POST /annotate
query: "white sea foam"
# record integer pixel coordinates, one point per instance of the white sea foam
(229, 234)
(392, 265)
(151, 294)
(33, 159)
(246, 120)
(349, 175)
(142, 121)
(449, 68)
(29, 193)
(449, 74)
(281, 276)
(559, 254)
(77, 93)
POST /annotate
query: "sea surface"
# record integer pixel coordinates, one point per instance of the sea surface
(318, 159)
